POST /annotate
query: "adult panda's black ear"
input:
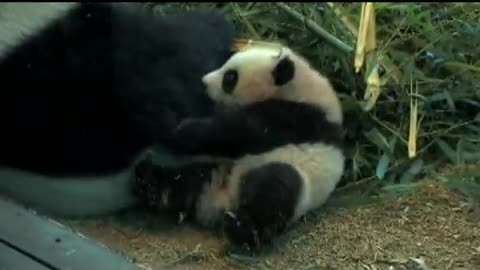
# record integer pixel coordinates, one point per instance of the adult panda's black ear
(283, 71)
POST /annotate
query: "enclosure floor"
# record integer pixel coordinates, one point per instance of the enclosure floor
(433, 224)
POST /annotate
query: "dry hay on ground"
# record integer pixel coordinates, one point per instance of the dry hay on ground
(433, 223)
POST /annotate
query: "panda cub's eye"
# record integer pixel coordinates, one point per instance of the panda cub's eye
(230, 79)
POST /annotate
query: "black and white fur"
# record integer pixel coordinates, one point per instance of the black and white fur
(283, 130)
(87, 88)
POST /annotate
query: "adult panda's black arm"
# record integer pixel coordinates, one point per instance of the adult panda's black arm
(101, 82)
(257, 128)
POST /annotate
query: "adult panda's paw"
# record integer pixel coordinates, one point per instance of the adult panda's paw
(145, 182)
(168, 189)
(149, 187)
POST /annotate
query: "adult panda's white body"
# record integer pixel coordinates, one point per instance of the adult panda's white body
(87, 88)
(283, 130)
(68, 196)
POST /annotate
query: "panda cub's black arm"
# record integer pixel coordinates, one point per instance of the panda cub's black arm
(256, 128)
(225, 134)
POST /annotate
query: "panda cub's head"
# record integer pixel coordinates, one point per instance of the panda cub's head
(258, 74)
(250, 76)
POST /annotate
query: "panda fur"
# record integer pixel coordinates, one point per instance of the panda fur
(88, 88)
(282, 130)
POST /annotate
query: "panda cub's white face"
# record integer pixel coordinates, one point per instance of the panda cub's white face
(245, 78)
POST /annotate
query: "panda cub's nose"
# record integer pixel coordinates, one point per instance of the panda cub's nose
(206, 79)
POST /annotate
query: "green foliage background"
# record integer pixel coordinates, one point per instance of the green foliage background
(436, 48)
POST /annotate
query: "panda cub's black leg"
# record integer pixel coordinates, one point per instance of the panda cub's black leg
(268, 197)
(172, 190)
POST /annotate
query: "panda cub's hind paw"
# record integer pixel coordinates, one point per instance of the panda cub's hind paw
(240, 230)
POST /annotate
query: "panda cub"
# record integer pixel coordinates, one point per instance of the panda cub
(281, 127)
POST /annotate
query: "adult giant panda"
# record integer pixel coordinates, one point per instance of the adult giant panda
(87, 88)
(283, 130)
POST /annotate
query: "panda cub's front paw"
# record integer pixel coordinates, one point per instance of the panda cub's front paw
(191, 133)
(188, 123)
(192, 125)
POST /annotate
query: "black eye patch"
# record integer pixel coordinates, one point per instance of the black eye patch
(230, 79)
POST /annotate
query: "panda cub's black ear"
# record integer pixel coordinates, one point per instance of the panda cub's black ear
(283, 71)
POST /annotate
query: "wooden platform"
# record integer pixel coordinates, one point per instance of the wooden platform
(29, 241)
